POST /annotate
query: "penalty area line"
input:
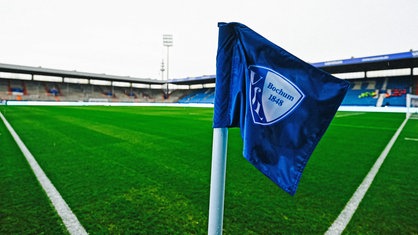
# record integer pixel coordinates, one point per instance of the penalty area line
(350, 208)
(339, 115)
(68, 217)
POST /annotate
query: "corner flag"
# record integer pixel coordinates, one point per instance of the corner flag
(281, 104)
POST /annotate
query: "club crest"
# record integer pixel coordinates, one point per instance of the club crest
(272, 96)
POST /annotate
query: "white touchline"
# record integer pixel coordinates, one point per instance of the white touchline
(345, 216)
(68, 218)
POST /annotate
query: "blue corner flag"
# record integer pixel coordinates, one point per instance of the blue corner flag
(282, 104)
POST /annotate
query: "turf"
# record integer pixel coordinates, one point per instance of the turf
(146, 170)
(24, 207)
(390, 205)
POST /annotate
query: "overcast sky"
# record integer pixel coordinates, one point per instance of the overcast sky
(124, 37)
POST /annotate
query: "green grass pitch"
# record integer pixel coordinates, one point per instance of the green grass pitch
(146, 170)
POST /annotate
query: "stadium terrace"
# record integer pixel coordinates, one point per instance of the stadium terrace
(381, 75)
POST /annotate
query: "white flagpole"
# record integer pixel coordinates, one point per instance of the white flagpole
(217, 181)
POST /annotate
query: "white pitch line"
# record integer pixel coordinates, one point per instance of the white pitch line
(412, 139)
(68, 218)
(348, 114)
(345, 216)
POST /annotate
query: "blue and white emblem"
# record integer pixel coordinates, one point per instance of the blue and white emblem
(272, 96)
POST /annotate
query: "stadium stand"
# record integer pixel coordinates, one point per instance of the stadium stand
(206, 95)
(47, 91)
(361, 93)
(367, 89)
(397, 88)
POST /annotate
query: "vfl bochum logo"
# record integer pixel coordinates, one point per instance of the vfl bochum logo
(272, 96)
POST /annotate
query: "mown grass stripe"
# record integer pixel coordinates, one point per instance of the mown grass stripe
(350, 208)
(68, 218)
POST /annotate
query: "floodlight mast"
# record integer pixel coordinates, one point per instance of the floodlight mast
(167, 42)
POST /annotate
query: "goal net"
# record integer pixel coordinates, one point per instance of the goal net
(412, 106)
